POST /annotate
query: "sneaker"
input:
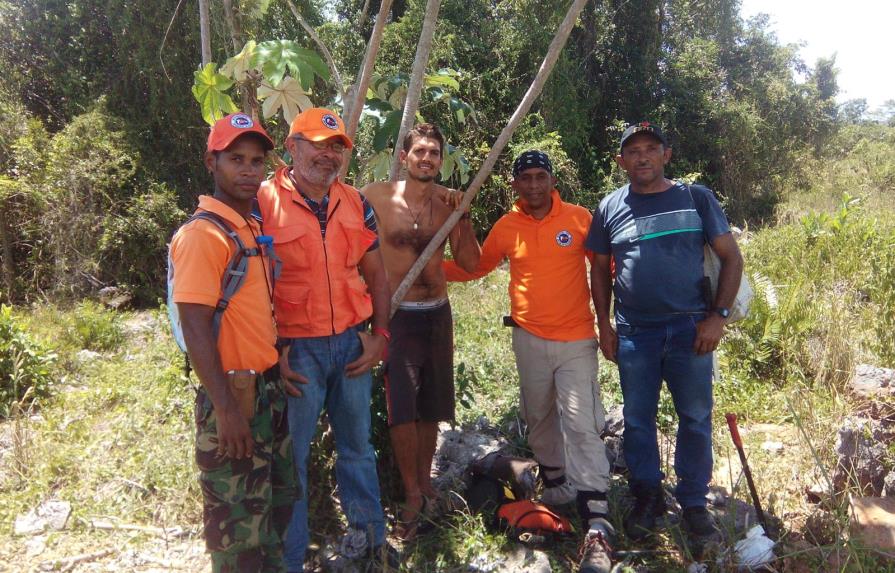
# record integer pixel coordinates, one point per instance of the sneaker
(594, 553)
(559, 495)
(700, 525)
(648, 505)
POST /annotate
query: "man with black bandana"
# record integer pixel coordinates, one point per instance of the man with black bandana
(555, 344)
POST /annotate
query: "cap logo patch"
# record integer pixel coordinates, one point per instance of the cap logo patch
(564, 238)
(330, 121)
(241, 121)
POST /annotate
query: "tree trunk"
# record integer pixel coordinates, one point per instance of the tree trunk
(204, 33)
(337, 77)
(234, 23)
(354, 105)
(556, 46)
(415, 88)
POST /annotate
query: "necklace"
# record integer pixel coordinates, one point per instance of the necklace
(416, 216)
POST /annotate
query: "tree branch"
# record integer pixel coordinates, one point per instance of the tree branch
(326, 53)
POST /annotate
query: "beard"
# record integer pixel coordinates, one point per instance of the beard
(319, 173)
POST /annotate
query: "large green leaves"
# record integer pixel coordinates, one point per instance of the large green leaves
(277, 57)
(287, 95)
(209, 89)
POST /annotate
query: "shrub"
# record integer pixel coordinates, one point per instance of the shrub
(25, 365)
(133, 249)
(94, 327)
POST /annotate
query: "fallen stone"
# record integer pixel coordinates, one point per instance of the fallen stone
(773, 447)
(51, 515)
(889, 484)
(859, 457)
(114, 297)
(456, 449)
(870, 381)
(873, 520)
(615, 421)
(87, 355)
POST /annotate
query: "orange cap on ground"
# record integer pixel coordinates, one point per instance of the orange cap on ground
(226, 130)
(317, 124)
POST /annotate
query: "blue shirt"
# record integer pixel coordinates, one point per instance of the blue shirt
(656, 240)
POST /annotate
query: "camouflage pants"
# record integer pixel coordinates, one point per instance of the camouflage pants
(247, 502)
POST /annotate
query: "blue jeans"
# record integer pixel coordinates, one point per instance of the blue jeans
(347, 400)
(646, 356)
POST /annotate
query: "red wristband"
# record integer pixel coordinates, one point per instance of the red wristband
(385, 333)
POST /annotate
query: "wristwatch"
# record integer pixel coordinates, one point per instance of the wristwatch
(724, 312)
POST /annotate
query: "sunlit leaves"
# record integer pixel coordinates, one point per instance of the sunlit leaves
(237, 66)
(209, 89)
(288, 96)
(254, 8)
(277, 57)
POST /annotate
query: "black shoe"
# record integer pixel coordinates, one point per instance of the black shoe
(700, 525)
(649, 503)
(594, 553)
(384, 558)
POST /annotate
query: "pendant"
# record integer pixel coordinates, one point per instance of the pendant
(415, 226)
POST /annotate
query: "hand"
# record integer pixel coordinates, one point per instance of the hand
(373, 347)
(608, 342)
(288, 375)
(234, 434)
(452, 197)
(708, 333)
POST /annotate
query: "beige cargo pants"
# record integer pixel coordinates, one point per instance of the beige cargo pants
(560, 402)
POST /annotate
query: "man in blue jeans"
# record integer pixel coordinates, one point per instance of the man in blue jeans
(333, 283)
(666, 325)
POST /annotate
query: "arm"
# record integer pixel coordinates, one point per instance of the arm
(464, 245)
(601, 291)
(234, 434)
(373, 270)
(490, 257)
(710, 330)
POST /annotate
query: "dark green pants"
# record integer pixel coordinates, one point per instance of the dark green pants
(247, 502)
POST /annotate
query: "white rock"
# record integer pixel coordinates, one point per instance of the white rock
(87, 355)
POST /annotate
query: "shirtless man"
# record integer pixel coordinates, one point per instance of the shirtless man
(419, 369)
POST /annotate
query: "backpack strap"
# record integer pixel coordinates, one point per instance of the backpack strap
(235, 274)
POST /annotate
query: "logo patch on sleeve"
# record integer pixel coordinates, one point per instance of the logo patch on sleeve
(564, 238)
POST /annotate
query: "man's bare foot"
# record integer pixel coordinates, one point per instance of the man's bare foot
(411, 513)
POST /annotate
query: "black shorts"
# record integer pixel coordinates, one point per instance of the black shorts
(419, 370)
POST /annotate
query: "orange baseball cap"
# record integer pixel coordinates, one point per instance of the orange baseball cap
(225, 131)
(317, 124)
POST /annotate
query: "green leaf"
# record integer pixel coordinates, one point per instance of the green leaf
(388, 130)
(380, 164)
(237, 66)
(287, 96)
(209, 89)
(277, 57)
(444, 77)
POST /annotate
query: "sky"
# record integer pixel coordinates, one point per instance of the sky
(859, 32)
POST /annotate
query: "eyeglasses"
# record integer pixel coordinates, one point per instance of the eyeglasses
(333, 144)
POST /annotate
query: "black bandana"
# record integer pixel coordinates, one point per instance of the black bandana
(531, 160)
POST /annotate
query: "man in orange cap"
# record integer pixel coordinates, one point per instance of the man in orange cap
(243, 448)
(333, 281)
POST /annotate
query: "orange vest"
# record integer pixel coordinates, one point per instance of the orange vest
(320, 291)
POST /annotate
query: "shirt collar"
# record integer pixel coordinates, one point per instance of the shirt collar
(218, 207)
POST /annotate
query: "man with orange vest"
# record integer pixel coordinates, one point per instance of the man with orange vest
(332, 281)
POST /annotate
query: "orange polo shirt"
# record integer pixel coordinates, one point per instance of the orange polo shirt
(200, 253)
(549, 293)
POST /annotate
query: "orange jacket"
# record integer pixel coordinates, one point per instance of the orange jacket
(320, 291)
(549, 294)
